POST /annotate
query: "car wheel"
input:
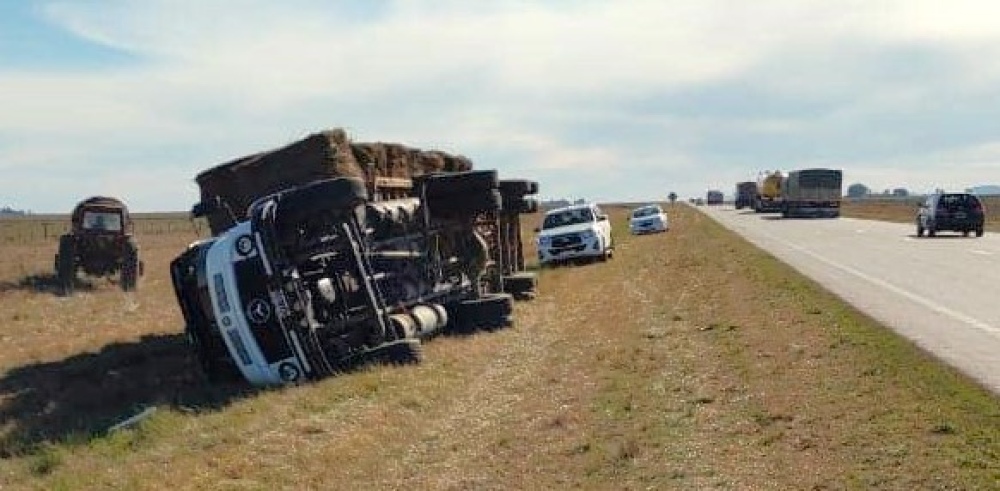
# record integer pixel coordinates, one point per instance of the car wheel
(931, 232)
(979, 232)
(920, 231)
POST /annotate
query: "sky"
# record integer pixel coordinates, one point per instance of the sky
(607, 101)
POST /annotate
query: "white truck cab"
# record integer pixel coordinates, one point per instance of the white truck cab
(573, 232)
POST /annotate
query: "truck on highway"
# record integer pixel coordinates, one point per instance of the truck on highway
(746, 193)
(812, 193)
(768, 198)
(714, 197)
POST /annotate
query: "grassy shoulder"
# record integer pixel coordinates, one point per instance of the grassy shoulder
(691, 360)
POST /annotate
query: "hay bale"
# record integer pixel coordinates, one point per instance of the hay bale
(430, 161)
(239, 182)
(323, 155)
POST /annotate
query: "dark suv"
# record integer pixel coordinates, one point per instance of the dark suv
(957, 212)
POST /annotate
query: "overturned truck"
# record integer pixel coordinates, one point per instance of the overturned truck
(327, 253)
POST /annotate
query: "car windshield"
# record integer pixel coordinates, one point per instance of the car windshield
(646, 211)
(102, 220)
(957, 201)
(567, 217)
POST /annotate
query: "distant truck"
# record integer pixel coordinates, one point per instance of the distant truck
(812, 193)
(746, 193)
(714, 197)
(769, 195)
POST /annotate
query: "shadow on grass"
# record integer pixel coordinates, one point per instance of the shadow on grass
(81, 397)
(45, 283)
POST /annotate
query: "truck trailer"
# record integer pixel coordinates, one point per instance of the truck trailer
(746, 193)
(812, 193)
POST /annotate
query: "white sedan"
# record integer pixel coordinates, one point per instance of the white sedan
(648, 219)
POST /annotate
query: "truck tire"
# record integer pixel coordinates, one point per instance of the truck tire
(341, 193)
(518, 187)
(66, 264)
(130, 267)
(521, 285)
(520, 205)
(490, 312)
(465, 203)
(407, 351)
(458, 183)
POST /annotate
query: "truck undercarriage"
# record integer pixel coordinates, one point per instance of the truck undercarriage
(319, 278)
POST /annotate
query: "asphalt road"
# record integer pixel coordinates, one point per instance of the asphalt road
(943, 293)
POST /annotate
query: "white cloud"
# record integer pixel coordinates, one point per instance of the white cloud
(526, 86)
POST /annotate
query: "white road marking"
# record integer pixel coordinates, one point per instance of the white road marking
(930, 304)
(982, 253)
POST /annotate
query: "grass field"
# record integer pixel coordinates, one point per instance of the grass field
(905, 210)
(692, 360)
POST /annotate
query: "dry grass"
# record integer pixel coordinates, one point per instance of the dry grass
(905, 210)
(690, 361)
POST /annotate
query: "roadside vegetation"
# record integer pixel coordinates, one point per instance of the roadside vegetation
(904, 210)
(691, 360)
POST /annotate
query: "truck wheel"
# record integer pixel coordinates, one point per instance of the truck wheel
(458, 183)
(296, 205)
(521, 285)
(407, 351)
(931, 232)
(492, 311)
(466, 203)
(518, 187)
(66, 264)
(979, 231)
(521, 205)
(130, 267)
(920, 231)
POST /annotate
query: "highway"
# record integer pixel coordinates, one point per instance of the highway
(943, 293)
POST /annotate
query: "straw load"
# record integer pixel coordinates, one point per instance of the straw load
(386, 168)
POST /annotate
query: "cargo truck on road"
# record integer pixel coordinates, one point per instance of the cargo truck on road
(768, 199)
(812, 193)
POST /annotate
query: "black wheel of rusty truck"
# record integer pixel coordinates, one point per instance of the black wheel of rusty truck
(487, 313)
(518, 187)
(130, 266)
(66, 264)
